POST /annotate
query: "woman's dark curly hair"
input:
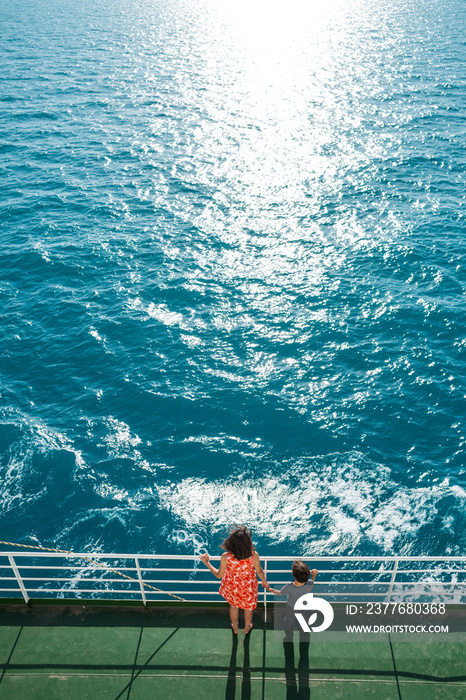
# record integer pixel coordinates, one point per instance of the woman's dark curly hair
(239, 543)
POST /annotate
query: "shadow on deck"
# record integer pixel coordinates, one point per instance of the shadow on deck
(120, 652)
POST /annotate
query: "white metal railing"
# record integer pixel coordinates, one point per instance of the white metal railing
(155, 577)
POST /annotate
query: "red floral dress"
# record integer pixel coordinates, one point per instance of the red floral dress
(239, 583)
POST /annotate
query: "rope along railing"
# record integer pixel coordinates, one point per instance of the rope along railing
(91, 561)
(44, 572)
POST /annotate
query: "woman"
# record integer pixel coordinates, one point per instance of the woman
(238, 568)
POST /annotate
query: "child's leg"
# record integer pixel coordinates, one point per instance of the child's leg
(248, 620)
(288, 628)
(234, 618)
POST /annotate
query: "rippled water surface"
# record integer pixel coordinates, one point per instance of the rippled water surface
(232, 275)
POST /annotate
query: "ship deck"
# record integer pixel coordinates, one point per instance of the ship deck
(108, 651)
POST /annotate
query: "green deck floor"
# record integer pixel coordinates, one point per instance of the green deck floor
(72, 652)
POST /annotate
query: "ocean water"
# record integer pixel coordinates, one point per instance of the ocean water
(233, 275)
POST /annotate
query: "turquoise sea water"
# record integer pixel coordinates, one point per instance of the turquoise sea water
(232, 275)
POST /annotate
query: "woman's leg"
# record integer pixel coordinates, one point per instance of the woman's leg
(248, 620)
(234, 618)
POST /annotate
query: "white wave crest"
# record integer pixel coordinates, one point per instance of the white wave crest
(326, 505)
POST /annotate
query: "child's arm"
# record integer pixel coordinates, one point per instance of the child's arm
(314, 573)
(221, 569)
(274, 591)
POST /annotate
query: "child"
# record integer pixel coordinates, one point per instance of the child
(238, 568)
(293, 591)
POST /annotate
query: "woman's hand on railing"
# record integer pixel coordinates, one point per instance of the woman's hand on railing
(204, 558)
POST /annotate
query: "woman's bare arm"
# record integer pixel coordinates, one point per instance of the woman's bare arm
(259, 570)
(221, 569)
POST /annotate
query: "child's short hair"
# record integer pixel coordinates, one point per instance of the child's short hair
(300, 571)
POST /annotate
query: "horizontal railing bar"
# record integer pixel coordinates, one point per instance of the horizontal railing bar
(393, 558)
(151, 598)
(113, 580)
(178, 592)
(98, 578)
(424, 585)
(91, 567)
(373, 571)
(376, 583)
(216, 583)
(39, 567)
(342, 595)
(271, 572)
(381, 571)
(77, 591)
(87, 580)
(86, 571)
(175, 568)
(328, 583)
(196, 583)
(283, 582)
(172, 569)
(103, 590)
(182, 557)
(113, 557)
(431, 571)
(205, 571)
(387, 572)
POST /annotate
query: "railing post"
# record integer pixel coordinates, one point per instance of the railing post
(141, 583)
(392, 581)
(265, 592)
(18, 578)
